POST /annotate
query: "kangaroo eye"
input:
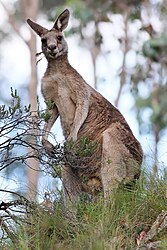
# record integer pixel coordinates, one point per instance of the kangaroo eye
(44, 41)
(59, 38)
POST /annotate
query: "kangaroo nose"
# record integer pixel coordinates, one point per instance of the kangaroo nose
(52, 47)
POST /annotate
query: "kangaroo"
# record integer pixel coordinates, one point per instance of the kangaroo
(85, 113)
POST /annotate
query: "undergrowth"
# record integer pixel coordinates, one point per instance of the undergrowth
(101, 225)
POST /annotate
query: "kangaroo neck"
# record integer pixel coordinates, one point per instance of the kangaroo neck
(57, 64)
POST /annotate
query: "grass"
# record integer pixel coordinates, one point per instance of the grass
(112, 225)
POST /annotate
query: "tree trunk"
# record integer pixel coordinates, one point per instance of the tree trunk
(30, 10)
(125, 50)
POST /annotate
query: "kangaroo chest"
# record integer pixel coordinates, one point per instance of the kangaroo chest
(56, 90)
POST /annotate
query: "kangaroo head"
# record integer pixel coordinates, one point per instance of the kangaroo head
(53, 42)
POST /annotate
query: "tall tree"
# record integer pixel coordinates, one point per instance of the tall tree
(30, 10)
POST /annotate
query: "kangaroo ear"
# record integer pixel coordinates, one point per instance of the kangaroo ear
(62, 20)
(36, 27)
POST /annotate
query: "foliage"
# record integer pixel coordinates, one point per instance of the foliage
(113, 224)
(84, 148)
(17, 133)
(156, 49)
(13, 124)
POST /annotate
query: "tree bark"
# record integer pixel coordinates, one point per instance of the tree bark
(30, 10)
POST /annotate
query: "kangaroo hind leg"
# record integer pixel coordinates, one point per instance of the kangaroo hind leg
(114, 155)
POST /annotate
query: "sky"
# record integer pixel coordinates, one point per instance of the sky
(15, 69)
